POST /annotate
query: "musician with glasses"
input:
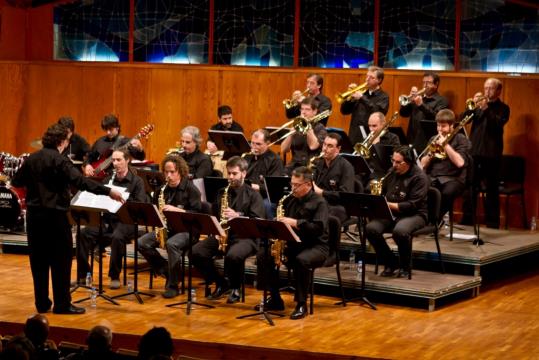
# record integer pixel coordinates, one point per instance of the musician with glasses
(315, 83)
(447, 174)
(422, 105)
(104, 146)
(304, 146)
(405, 188)
(488, 123)
(362, 104)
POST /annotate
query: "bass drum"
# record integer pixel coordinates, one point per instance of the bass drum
(10, 209)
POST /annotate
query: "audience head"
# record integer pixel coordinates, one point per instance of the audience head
(19, 348)
(156, 341)
(99, 340)
(36, 329)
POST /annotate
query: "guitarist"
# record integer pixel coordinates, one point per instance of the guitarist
(104, 146)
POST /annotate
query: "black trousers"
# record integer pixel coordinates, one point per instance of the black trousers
(450, 191)
(402, 230)
(117, 235)
(300, 259)
(237, 251)
(51, 249)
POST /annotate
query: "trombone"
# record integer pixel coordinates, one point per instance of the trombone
(299, 125)
(290, 103)
(407, 99)
(363, 149)
(345, 96)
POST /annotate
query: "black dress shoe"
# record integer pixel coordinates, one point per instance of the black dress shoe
(73, 310)
(388, 271)
(299, 312)
(402, 273)
(234, 296)
(219, 292)
(276, 304)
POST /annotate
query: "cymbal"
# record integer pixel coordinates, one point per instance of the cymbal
(36, 144)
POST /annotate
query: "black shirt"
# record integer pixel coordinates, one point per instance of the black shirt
(103, 148)
(444, 170)
(339, 176)
(426, 111)
(47, 174)
(300, 149)
(361, 109)
(234, 127)
(267, 164)
(487, 129)
(409, 191)
(324, 103)
(200, 164)
(78, 147)
(377, 165)
(311, 212)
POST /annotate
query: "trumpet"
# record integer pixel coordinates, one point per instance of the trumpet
(345, 96)
(407, 99)
(290, 103)
(363, 149)
(300, 125)
(471, 104)
(247, 154)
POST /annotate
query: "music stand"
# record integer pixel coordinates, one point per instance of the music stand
(365, 206)
(262, 229)
(195, 224)
(78, 218)
(397, 130)
(276, 187)
(232, 142)
(360, 165)
(137, 213)
(212, 185)
(153, 180)
(346, 145)
(429, 128)
(384, 154)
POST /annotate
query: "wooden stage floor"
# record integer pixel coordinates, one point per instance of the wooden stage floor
(501, 323)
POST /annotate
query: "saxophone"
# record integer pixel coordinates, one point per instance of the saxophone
(377, 185)
(161, 233)
(223, 220)
(312, 160)
(278, 246)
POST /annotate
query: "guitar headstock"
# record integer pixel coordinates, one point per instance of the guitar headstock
(145, 131)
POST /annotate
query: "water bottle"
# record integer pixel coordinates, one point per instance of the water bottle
(261, 307)
(129, 286)
(193, 294)
(352, 260)
(359, 266)
(446, 220)
(89, 280)
(533, 224)
(93, 297)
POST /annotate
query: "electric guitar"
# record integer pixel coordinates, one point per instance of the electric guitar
(105, 160)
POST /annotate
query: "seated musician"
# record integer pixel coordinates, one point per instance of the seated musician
(180, 195)
(199, 163)
(225, 122)
(333, 174)
(405, 189)
(262, 162)
(78, 146)
(304, 146)
(307, 214)
(103, 146)
(240, 200)
(115, 233)
(448, 174)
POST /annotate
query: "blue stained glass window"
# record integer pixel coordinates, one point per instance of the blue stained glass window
(171, 31)
(92, 31)
(337, 34)
(417, 34)
(499, 36)
(254, 32)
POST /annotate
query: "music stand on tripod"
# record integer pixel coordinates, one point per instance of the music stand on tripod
(365, 206)
(195, 224)
(232, 142)
(262, 229)
(137, 213)
(78, 218)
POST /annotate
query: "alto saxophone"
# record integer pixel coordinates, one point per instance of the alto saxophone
(312, 161)
(278, 246)
(161, 233)
(223, 220)
(377, 185)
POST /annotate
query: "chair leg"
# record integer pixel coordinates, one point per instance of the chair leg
(439, 251)
(506, 211)
(311, 306)
(340, 283)
(243, 284)
(525, 215)
(410, 269)
(125, 264)
(451, 223)
(150, 284)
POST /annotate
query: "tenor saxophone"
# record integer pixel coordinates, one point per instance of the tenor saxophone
(161, 233)
(278, 246)
(223, 220)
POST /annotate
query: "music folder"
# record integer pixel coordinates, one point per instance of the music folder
(212, 185)
(366, 205)
(85, 200)
(153, 180)
(429, 128)
(244, 227)
(383, 153)
(360, 165)
(233, 143)
(277, 187)
(346, 145)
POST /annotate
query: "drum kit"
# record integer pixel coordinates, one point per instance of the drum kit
(12, 199)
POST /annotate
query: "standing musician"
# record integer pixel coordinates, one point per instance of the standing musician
(115, 233)
(200, 164)
(377, 121)
(242, 200)
(103, 146)
(362, 104)
(78, 147)
(307, 214)
(448, 174)
(405, 189)
(304, 147)
(262, 162)
(489, 119)
(225, 123)
(422, 105)
(333, 174)
(47, 174)
(179, 195)
(315, 83)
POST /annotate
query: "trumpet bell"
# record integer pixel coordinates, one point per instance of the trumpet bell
(404, 100)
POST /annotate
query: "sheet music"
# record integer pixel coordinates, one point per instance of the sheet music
(104, 202)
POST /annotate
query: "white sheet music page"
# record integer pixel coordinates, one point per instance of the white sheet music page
(104, 202)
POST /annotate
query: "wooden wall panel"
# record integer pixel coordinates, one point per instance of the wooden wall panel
(174, 96)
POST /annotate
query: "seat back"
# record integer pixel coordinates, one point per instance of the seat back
(434, 200)
(334, 240)
(206, 208)
(512, 169)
